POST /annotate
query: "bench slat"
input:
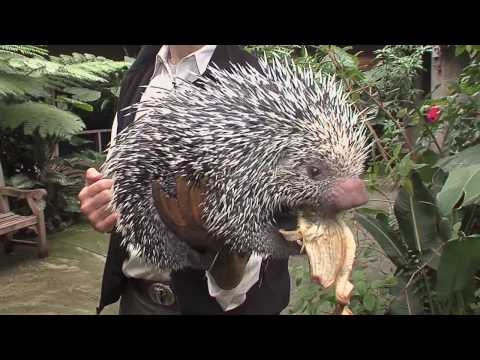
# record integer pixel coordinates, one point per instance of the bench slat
(16, 218)
(16, 222)
(9, 214)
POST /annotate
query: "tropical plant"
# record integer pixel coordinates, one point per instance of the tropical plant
(370, 296)
(63, 178)
(40, 99)
(434, 236)
(432, 232)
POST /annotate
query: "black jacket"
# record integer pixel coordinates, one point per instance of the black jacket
(270, 295)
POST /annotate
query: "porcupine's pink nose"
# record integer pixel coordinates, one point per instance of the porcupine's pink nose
(349, 193)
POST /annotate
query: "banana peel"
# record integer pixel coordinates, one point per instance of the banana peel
(330, 247)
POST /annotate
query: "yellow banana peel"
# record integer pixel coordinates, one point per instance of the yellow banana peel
(330, 247)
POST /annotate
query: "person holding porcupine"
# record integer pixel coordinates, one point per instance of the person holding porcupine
(260, 287)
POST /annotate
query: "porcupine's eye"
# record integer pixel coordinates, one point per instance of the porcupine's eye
(313, 172)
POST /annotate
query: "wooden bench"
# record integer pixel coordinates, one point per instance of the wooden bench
(10, 222)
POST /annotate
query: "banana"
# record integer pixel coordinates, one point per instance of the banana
(330, 247)
(325, 253)
(344, 287)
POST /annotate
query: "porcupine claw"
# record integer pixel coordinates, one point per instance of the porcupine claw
(293, 236)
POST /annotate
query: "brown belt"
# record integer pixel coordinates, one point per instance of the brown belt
(159, 293)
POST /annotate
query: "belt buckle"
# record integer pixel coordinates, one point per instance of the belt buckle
(161, 294)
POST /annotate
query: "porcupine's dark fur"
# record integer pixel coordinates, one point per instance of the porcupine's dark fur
(253, 136)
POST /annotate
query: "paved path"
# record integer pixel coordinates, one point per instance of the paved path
(67, 282)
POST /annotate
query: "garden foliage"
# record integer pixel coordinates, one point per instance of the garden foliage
(42, 99)
(432, 231)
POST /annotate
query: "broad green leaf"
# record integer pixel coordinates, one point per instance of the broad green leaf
(444, 229)
(83, 95)
(385, 237)
(417, 216)
(376, 284)
(47, 120)
(465, 158)
(358, 276)
(460, 260)
(432, 257)
(361, 287)
(429, 158)
(461, 182)
(369, 302)
(343, 57)
(406, 165)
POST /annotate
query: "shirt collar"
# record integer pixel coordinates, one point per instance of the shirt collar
(202, 57)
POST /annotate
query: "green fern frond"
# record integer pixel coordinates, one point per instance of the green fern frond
(77, 58)
(92, 71)
(26, 50)
(47, 120)
(21, 87)
(84, 70)
(80, 70)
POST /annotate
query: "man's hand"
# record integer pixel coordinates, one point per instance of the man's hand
(94, 199)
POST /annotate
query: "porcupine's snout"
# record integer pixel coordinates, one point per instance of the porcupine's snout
(349, 193)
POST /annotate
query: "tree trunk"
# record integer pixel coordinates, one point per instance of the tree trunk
(446, 67)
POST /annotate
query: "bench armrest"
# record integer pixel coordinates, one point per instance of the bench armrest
(34, 197)
(36, 194)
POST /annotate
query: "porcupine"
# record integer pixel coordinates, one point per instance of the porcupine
(267, 142)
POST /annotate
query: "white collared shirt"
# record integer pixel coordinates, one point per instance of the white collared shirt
(168, 76)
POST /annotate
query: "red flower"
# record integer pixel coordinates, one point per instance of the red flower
(433, 114)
